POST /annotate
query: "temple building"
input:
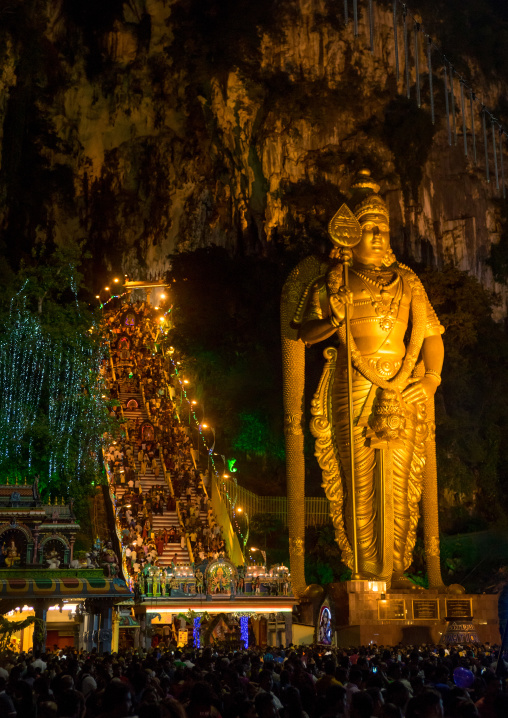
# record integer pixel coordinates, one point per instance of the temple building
(73, 600)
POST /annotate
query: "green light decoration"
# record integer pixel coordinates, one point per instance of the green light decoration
(52, 416)
(231, 465)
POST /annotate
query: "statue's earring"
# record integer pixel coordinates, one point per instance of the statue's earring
(389, 258)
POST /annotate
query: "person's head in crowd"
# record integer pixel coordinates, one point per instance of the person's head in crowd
(493, 684)
(247, 709)
(390, 710)
(336, 699)
(398, 694)
(378, 701)
(292, 702)
(117, 700)
(265, 680)
(356, 676)
(329, 667)
(265, 707)
(47, 709)
(69, 705)
(429, 704)
(361, 705)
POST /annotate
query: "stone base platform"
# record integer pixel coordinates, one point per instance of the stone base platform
(365, 612)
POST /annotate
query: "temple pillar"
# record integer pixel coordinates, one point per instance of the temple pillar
(95, 631)
(77, 634)
(105, 632)
(81, 642)
(116, 632)
(142, 630)
(72, 540)
(36, 546)
(148, 631)
(30, 552)
(27, 638)
(288, 620)
(148, 295)
(40, 631)
(87, 632)
(91, 626)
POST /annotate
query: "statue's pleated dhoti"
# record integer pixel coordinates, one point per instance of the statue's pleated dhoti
(381, 530)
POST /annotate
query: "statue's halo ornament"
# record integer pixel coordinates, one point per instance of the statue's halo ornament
(344, 228)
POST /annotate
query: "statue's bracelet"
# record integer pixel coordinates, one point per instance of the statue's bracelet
(334, 322)
(435, 374)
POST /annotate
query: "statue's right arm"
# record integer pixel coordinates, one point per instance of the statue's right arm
(324, 314)
(316, 330)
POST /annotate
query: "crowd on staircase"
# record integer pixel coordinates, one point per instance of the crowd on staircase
(165, 514)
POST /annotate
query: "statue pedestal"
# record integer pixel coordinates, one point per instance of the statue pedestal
(365, 612)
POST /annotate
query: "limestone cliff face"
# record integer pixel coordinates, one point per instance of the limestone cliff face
(154, 126)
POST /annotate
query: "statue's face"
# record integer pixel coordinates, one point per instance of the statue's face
(375, 240)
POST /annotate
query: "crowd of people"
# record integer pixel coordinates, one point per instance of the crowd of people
(369, 682)
(136, 370)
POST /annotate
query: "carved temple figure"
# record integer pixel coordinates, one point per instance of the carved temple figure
(199, 581)
(53, 559)
(375, 310)
(109, 561)
(12, 557)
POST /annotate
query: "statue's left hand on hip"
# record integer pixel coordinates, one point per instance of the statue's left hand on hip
(420, 390)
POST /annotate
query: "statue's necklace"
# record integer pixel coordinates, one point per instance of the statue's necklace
(414, 345)
(385, 304)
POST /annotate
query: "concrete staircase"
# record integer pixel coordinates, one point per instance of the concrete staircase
(148, 480)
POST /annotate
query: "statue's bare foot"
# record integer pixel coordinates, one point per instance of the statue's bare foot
(401, 581)
(455, 588)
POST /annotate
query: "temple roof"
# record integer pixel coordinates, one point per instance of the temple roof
(64, 583)
(23, 502)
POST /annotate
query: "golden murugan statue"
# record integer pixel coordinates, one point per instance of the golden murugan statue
(376, 391)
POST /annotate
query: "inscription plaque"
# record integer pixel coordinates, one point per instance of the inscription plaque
(425, 610)
(391, 609)
(459, 609)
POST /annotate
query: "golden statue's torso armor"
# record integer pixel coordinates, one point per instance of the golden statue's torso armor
(381, 315)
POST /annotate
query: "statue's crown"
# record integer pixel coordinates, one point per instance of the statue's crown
(364, 197)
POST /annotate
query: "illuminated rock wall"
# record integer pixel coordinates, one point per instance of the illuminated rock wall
(148, 127)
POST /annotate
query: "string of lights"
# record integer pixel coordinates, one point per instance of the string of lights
(244, 631)
(199, 425)
(50, 388)
(196, 632)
